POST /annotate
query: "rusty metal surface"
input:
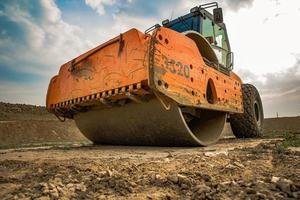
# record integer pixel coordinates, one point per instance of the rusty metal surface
(178, 70)
(168, 63)
(148, 123)
(101, 72)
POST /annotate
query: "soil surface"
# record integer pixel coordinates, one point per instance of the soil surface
(62, 164)
(28, 125)
(24, 125)
(231, 169)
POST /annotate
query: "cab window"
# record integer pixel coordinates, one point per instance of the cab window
(217, 38)
(186, 24)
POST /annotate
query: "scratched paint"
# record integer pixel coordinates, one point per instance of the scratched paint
(166, 61)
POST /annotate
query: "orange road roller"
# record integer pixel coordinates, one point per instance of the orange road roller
(172, 85)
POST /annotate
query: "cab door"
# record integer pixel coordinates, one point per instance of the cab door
(216, 35)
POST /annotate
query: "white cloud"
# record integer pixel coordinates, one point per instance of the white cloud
(280, 91)
(124, 22)
(98, 5)
(48, 40)
(265, 46)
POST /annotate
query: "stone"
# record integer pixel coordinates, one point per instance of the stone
(51, 185)
(183, 179)
(109, 173)
(21, 195)
(81, 187)
(170, 155)
(184, 186)
(173, 178)
(215, 153)
(149, 197)
(54, 193)
(43, 198)
(275, 179)
(296, 195)
(250, 191)
(230, 167)
(238, 164)
(70, 185)
(102, 173)
(201, 188)
(284, 185)
(101, 197)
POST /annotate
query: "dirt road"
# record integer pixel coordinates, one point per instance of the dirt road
(232, 169)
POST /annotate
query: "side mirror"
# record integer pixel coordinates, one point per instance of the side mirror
(218, 15)
(230, 60)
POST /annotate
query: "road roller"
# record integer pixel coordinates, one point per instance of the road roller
(171, 85)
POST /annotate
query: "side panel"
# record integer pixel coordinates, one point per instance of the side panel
(177, 70)
(116, 65)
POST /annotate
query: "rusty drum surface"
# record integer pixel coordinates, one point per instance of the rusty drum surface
(149, 123)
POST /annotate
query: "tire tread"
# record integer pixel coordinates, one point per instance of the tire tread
(244, 125)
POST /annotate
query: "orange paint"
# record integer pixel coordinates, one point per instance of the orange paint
(137, 63)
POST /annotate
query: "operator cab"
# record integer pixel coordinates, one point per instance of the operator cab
(210, 27)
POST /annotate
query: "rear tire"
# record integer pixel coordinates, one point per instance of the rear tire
(248, 124)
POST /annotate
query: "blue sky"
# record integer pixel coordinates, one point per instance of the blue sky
(38, 36)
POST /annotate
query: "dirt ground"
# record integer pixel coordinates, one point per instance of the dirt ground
(61, 164)
(231, 169)
(27, 125)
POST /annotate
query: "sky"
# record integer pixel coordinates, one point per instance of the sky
(38, 36)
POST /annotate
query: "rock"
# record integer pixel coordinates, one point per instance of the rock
(215, 153)
(170, 155)
(284, 185)
(201, 191)
(70, 185)
(230, 167)
(202, 188)
(157, 178)
(238, 164)
(184, 186)
(183, 179)
(261, 195)
(43, 198)
(54, 193)
(132, 184)
(40, 170)
(250, 191)
(173, 178)
(149, 197)
(233, 183)
(58, 181)
(102, 173)
(80, 187)
(168, 196)
(225, 183)
(130, 189)
(86, 178)
(51, 185)
(101, 197)
(109, 173)
(296, 195)
(275, 179)
(21, 195)
(206, 177)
